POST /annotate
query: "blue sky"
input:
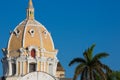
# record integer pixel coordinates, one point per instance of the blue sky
(74, 24)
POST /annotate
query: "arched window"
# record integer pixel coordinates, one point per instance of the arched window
(51, 69)
(32, 67)
(33, 53)
(13, 68)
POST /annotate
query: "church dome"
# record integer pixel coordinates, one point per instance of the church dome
(30, 33)
(30, 54)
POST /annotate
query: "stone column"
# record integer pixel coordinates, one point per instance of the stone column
(20, 68)
(37, 65)
(28, 67)
(41, 66)
(10, 68)
(54, 69)
(16, 68)
(44, 66)
(47, 66)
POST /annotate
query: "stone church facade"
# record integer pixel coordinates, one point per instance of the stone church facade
(30, 54)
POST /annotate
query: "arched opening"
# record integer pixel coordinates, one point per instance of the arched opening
(33, 53)
(13, 68)
(32, 67)
(51, 69)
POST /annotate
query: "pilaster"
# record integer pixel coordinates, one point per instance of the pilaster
(10, 67)
(28, 67)
(16, 68)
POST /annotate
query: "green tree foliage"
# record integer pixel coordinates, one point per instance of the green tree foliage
(115, 75)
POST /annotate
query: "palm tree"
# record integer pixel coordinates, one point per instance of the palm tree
(90, 67)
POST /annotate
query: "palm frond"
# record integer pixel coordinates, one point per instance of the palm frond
(84, 74)
(99, 56)
(90, 71)
(85, 54)
(77, 60)
(75, 76)
(105, 67)
(101, 73)
(92, 47)
(90, 51)
(79, 69)
(96, 76)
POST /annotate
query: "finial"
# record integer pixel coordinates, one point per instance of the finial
(30, 4)
(30, 10)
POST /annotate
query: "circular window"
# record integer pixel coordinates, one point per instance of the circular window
(32, 31)
(33, 53)
(45, 32)
(18, 31)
